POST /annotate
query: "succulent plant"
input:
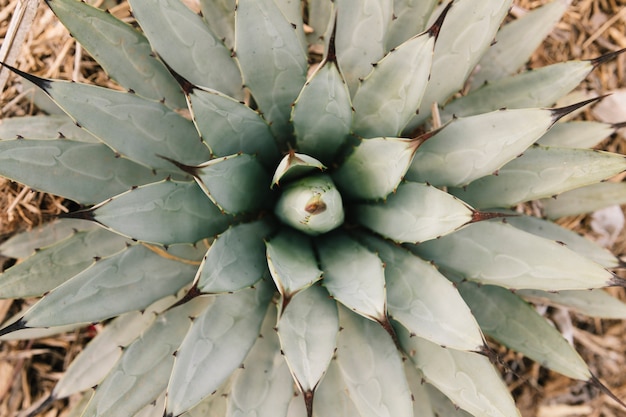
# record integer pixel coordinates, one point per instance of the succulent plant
(256, 223)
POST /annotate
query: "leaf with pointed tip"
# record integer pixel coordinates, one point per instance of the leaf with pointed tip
(122, 51)
(414, 292)
(272, 60)
(307, 329)
(85, 172)
(181, 210)
(467, 378)
(388, 97)
(514, 323)
(236, 259)
(507, 54)
(573, 240)
(292, 263)
(577, 134)
(361, 36)
(539, 173)
(585, 199)
(264, 386)
(500, 254)
(36, 333)
(130, 280)
(188, 46)
(44, 127)
(331, 396)
(372, 368)
(593, 303)
(143, 371)
(295, 165)
(322, 113)
(471, 147)
(414, 213)
(52, 266)
(228, 126)
(420, 396)
(353, 275)
(465, 35)
(375, 168)
(216, 345)
(220, 16)
(409, 18)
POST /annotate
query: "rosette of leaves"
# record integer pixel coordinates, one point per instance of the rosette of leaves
(255, 224)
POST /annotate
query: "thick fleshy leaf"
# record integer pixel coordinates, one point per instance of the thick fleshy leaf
(467, 378)
(122, 51)
(85, 172)
(187, 45)
(52, 266)
(216, 345)
(228, 126)
(272, 60)
(182, 211)
(585, 199)
(514, 323)
(292, 10)
(264, 386)
(307, 329)
(372, 368)
(375, 167)
(593, 303)
(442, 405)
(500, 254)
(414, 213)
(414, 292)
(342, 259)
(143, 371)
(322, 113)
(294, 165)
(539, 173)
(235, 183)
(153, 409)
(472, 147)
(332, 398)
(320, 13)
(361, 36)
(220, 16)
(410, 18)
(292, 262)
(507, 54)
(130, 280)
(236, 259)
(388, 97)
(577, 134)
(421, 399)
(44, 127)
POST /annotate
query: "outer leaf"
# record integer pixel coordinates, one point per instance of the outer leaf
(442, 404)
(228, 126)
(154, 409)
(414, 293)
(181, 210)
(499, 254)
(389, 96)
(292, 262)
(342, 259)
(421, 399)
(514, 323)
(577, 134)
(216, 345)
(84, 172)
(410, 18)
(332, 398)
(130, 280)
(307, 329)
(143, 370)
(372, 368)
(294, 165)
(122, 51)
(472, 147)
(44, 127)
(220, 16)
(541, 172)
(375, 168)
(585, 199)
(184, 41)
(322, 113)
(236, 259)
(432, 213)
(52, 266)
(467, 378)
(593, 303)
(272, 60)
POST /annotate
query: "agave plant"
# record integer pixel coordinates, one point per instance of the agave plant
(256, 223)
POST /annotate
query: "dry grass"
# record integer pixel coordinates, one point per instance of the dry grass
(29, 369)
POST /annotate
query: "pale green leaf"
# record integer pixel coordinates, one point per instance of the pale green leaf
(331, 397)
(410, 18)
(577, 134)
(320, 13)
(220, 16)
(585, 199)
(442, 405)
(593, 303)
(414, 213)
(44, 127)
(420, 396)
(500, 254)
(292, 10)
(295, 165)
(215, 346)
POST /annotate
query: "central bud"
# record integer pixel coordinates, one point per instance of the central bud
(312, 205)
